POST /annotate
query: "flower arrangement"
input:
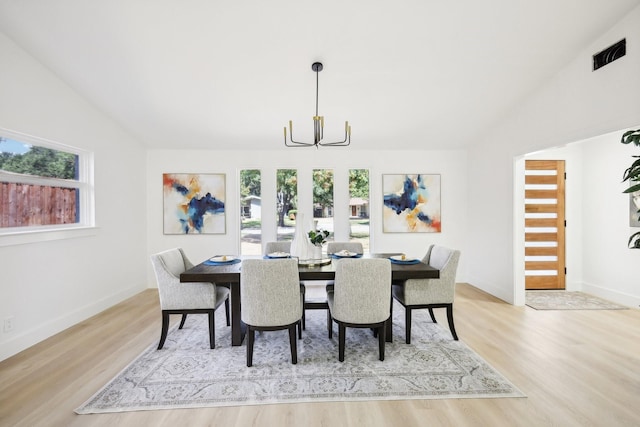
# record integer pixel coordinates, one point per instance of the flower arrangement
(318, 237)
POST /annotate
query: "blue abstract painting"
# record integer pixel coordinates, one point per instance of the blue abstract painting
(411, 203)
(194, 203)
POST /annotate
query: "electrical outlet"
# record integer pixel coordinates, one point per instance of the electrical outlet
(8, 324)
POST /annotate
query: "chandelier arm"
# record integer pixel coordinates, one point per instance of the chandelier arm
(299, 143)
(345, 142)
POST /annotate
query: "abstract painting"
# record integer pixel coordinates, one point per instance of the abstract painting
(194, 203)
(411, 203)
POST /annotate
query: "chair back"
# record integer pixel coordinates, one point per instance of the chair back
(362, 291)
(432, 291)
(167, 266)
(271, 247)
(170, 261)
(334, 247)
(270, 292)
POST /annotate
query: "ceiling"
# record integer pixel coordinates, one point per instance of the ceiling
(430, 74)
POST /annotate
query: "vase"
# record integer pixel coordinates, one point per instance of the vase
(317, 252)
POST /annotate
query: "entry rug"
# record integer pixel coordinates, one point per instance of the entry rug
(187, 374)
(563, 300)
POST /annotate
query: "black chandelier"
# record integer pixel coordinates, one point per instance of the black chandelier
(318, 125)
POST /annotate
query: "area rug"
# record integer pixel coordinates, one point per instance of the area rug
(187, 374)
(563, 300)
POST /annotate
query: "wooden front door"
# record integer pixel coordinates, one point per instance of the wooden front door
(544, 224)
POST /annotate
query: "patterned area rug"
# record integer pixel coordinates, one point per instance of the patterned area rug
(187, 374)
(563, 300)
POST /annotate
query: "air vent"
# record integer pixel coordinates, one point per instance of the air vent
(610, 54)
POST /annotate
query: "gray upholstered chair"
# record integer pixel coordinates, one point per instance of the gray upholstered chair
(185, 298)
(280, 246)
(270, 295)
(271, 247)
(334, 247)
(430, 293)
(361, 298)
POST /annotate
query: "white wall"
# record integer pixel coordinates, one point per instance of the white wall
(574, 105)
(449, 164)
(609, 268)
(49, 286)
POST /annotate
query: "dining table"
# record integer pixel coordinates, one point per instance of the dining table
(229, 273)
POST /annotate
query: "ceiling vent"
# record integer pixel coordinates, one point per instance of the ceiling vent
(610, 54)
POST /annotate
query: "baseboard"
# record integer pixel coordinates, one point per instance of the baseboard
(611, 295)
(504, 294)
(35, 335)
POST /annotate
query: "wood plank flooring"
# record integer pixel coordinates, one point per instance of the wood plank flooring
(577, 368)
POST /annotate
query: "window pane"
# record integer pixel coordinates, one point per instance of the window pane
(359, 207)
(32, 193)
(250, 212)
(287, 202)
(323, 199)
(23, 205)
(28, 159)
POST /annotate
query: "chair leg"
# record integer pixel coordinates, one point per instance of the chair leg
(433, 317)
(341, 339)
(212, 329)
(293, 344)
(450, 319)
(329, 324)
(184, 318)
(303, 291)
(299, 327)
(226, 310)
(381, 339)
(407, 323)
(250, 337)
(165, 329)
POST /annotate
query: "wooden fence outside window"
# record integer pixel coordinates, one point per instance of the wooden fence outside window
(23, 205)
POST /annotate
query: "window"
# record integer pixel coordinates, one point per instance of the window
(323, 200)
(286, 202)
(251, 212)
(43, 185)
(359, 207)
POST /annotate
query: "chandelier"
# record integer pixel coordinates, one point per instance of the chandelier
(318, 125)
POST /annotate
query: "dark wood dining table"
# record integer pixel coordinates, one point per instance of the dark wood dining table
(229, 275)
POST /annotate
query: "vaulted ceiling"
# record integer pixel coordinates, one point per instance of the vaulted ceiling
(431, 74)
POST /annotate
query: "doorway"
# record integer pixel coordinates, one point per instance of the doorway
(544, 224)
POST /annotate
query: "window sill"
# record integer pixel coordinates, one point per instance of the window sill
(10, 238)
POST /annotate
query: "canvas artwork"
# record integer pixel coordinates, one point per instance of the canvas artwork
(411, 203)
(634, 209)
(194, 203)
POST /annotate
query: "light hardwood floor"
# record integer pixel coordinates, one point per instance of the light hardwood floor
(577, 368)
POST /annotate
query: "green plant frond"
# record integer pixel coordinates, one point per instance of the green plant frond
(631, 136)
(632, 171)
(632, 189)
(636, 244)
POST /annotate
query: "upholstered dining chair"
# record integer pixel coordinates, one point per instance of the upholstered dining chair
(285, 246)
(430, 293)
(334, 247)
(361, 298)
(185, 298)
(271, 299)
(281, 246)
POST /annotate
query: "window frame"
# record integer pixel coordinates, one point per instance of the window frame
(84, 185)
